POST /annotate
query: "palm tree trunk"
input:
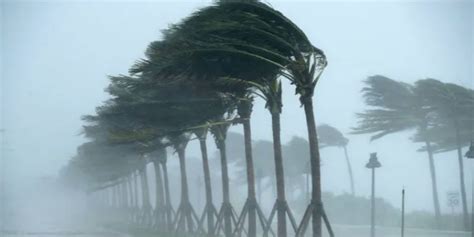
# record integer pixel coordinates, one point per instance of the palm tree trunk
(114, 196)
(315, 165)
(107, 192)
(184, 176)
(135, 189)
(349, 169)
(119, 195)
(252, 232)
(146, 205)
(130, 185)
(159, 200)
(461, 178)
(434, 184)
(125, 193)
(167, 193)
(159, 184)
(225, 189)
(185, 204)
(280, 176)
(207, 185)
(145, 189)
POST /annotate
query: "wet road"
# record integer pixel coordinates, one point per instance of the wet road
(45, 209)
(42, 210)
(364, 231)
(61, 233)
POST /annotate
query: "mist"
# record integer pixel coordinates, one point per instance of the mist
(56, 57)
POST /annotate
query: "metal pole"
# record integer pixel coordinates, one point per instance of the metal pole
(372, 216)
(403, 212)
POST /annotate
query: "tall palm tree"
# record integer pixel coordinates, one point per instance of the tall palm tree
(454, 106)
(219, 131)
(304, 64)
(298, 163)
(271, 92)
(396, 107)
(145, 218)
(109, 130)
(161, 110)
(209, 209)
(262, 150)
(256, 33)
(226, 69)
(330, 136)
(185, 212)
(244, 110)
(160, 201)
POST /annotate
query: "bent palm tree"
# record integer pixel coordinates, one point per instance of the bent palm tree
(270, 90)
(219, 131)
(257, 34)
(209, 209)
(330, 136)
(397, 107)
(454, 106)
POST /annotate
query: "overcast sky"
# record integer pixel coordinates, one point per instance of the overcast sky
(55, 56)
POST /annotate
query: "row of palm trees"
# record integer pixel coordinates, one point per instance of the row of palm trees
(442, 115)
(202, 78)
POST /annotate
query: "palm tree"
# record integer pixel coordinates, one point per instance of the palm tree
(234, 69)
(305, 72)
(262, 150)
(244, 110)
(396, 107)
(263, 37)
(454, 106)
(304, 63)
(169, 115)
(160, 201)
(209, 209)
(146, 203)
(330, 136)
(185, 212)
(271, 92)
(104, 166)
(298, 163)
(219, 131)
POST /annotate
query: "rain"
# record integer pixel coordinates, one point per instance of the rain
(237, 118)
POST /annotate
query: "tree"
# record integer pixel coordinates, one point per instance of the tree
(395, 107)
(209, 209)
(454, 106)
(298, 164)
(262, 150)
(270, 90)
(219, 131)
(330, 136)
(169, 109)
(196, 56)
(260, 35)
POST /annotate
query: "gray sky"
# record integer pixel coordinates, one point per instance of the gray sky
(55, 56)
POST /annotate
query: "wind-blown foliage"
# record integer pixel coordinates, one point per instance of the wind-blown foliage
(395, 107)
(209, 65)
(330, 136)
(454, 109)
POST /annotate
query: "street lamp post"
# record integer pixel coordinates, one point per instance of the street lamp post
(373, 164)
(470, 155)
